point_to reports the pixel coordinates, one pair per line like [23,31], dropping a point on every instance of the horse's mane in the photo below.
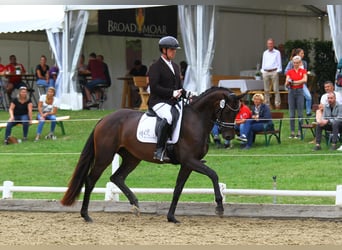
[207,92]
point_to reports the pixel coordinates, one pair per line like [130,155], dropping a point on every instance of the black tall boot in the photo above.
[162,136]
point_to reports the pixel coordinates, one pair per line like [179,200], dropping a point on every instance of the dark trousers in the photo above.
[335,127]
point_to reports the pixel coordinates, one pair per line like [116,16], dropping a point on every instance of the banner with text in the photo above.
[140,22]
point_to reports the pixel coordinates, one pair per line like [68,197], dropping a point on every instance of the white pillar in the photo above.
[7,193]
[223,188]
[111,186]
[338,200]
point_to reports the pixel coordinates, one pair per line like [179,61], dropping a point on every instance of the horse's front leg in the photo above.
[182,177]
[200,167]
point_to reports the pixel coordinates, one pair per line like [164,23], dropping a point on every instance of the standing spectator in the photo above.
[270,68]
[303,65]
[96,69]
[20,111]
[295,79]
[138,70]
[42,73]
[47,110]
[261,117]
[14,82]
[331,120]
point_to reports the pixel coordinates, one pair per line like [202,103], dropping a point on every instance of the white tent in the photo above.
[65,26]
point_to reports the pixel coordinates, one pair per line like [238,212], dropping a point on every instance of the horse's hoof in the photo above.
[135,210]
[219,211]
[173,219]
[87,218]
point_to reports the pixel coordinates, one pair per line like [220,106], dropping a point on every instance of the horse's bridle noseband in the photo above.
[223,105]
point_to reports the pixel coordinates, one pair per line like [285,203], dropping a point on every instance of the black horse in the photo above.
[116,133]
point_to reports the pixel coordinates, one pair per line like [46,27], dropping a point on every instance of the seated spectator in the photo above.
[53,74]
[2,68]
[47,110]
[183,67]
[328,87]
[42,73]
[138,70]
[14,81]
[240,121]
[96,69]
[331,120]
[106,70]
[261,117]
[20,111]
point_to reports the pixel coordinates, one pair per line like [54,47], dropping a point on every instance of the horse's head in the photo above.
[227,109]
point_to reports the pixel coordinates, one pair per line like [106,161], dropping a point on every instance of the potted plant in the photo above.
[258,75]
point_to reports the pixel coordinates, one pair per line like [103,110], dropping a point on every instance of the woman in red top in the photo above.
[295,79]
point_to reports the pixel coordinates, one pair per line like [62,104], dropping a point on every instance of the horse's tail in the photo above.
[80,174]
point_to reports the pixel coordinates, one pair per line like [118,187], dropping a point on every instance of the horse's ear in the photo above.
[242,95]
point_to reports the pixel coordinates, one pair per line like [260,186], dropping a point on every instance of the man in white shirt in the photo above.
[271,67]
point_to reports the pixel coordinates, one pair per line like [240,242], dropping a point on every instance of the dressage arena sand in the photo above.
[126,229]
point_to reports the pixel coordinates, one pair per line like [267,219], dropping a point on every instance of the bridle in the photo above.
[223,105]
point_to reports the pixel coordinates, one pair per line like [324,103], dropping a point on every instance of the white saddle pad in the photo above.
[146,129]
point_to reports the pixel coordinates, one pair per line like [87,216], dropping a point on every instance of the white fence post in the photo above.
[7,193]
[110,186]
[223,187]
[338,200]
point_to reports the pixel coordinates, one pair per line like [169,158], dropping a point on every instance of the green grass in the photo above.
[297,167]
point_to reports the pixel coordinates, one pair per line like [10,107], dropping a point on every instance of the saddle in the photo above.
[146,130]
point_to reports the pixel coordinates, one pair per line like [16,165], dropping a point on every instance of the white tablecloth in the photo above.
[242,84]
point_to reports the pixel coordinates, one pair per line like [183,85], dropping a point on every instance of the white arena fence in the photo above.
[112,192]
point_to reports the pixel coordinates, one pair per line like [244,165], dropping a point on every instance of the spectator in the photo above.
[331,120]
[295,79]
[2,68]
[20,111]
[106,70]
[96,69]
[328,87]
[261,117]
[138,70]
[53,73]
[47,110]
[240,121]
[271,67]
[183,68]
[42,73]
[303,65]
[14,81]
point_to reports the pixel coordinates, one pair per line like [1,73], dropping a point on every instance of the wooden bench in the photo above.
[306,124]
[277,119]
[59,120]
[142,82]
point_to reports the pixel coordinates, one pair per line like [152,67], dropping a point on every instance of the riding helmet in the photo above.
[168,42]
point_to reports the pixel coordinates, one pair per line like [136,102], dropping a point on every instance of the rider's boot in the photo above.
[162,134]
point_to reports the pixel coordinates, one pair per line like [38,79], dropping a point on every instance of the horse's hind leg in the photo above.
[90,182]
[129,163]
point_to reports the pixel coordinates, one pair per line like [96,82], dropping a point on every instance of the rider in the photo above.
[165,89]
